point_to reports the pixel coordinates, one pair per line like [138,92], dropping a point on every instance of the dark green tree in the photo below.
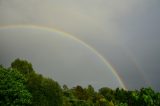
[23,66]
[107,93]
[157,99]
[12,89]
[45,92]
[80,93]
[121,96]
[91,95]
[52,92]
[90,91]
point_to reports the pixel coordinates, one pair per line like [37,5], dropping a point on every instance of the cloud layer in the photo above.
[125,32]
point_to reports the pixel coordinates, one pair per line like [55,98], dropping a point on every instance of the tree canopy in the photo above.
[45,91]
[20,85]
[13,91]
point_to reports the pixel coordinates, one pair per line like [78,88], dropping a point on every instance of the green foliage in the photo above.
[122,104]
[121,96]
[107,93]
[157,99]
[90,92]
[21,85]
[23,66]
[12,89]
[52,92]
[1,66]
[80,93]
[45,92]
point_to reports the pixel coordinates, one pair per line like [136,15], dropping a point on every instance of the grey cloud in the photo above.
[125,32]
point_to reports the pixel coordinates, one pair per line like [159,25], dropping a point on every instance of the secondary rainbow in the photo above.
[138,67]
[73,38]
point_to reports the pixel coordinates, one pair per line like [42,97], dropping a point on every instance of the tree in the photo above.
[157,99]
[91,95]
[45,92]
[146,96]
[80,93]
[52,92]
[107,93]
[1,66]
[65,87]
[121,96]
[12,89]
[90,91]
[23,66]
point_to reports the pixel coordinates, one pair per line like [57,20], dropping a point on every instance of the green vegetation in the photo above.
[20,85]
[44,91]
[13,91]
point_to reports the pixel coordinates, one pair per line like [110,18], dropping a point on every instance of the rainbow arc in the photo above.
[66,34]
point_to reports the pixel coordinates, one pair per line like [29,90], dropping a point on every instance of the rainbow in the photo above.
[138,67]
[75,39]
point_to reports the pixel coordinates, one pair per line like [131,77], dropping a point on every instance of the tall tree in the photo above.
[23,66]
[52,92]
[45,92]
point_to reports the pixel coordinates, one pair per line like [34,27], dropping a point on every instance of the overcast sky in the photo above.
[125,32]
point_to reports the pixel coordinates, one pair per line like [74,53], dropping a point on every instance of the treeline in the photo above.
[20,85]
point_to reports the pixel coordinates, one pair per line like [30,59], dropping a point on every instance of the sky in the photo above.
[125,32]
